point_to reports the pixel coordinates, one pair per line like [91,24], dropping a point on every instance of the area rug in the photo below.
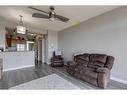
[52,81]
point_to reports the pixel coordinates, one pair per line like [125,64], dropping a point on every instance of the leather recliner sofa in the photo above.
[57,60]
[92,68]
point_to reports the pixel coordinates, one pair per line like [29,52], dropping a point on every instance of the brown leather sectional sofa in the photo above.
[92,68]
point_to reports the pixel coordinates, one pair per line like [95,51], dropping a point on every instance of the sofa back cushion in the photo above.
[97,60]
[82,59]
[94,60]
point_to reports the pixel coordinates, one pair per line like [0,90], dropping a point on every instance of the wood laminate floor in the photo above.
[19,76]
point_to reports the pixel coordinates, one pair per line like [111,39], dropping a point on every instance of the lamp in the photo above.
[20,28]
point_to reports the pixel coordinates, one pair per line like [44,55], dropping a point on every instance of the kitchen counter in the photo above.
[15,51]
[17,59]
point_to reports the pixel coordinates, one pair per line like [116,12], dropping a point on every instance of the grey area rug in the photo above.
[52,81]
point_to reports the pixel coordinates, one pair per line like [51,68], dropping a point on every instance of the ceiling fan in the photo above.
[51,15]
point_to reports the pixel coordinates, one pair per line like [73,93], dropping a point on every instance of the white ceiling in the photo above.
[76,14]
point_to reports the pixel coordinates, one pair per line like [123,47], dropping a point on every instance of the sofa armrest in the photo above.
[103,77]
[69,63]
[102,70]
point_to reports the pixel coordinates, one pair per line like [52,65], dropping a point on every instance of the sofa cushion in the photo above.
[96,64]
[83,62]
[78,68]
[98,58]
[84,56]
[82,59]
[90,72]
[71,69]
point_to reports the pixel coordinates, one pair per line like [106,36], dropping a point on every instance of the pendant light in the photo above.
[20,28]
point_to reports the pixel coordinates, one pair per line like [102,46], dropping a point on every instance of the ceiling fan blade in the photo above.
[38,10]
[61,18]
[38,15]
[47,14]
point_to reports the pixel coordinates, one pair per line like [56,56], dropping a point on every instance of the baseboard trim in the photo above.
[119,80]
[4,70]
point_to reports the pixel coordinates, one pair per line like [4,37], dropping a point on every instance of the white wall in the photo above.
[51,44]
[105,34]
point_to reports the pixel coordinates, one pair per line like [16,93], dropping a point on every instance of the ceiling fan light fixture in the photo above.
[52,15]
[52,18]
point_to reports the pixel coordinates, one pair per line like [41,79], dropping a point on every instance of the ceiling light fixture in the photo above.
[20,28]
[52,14]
